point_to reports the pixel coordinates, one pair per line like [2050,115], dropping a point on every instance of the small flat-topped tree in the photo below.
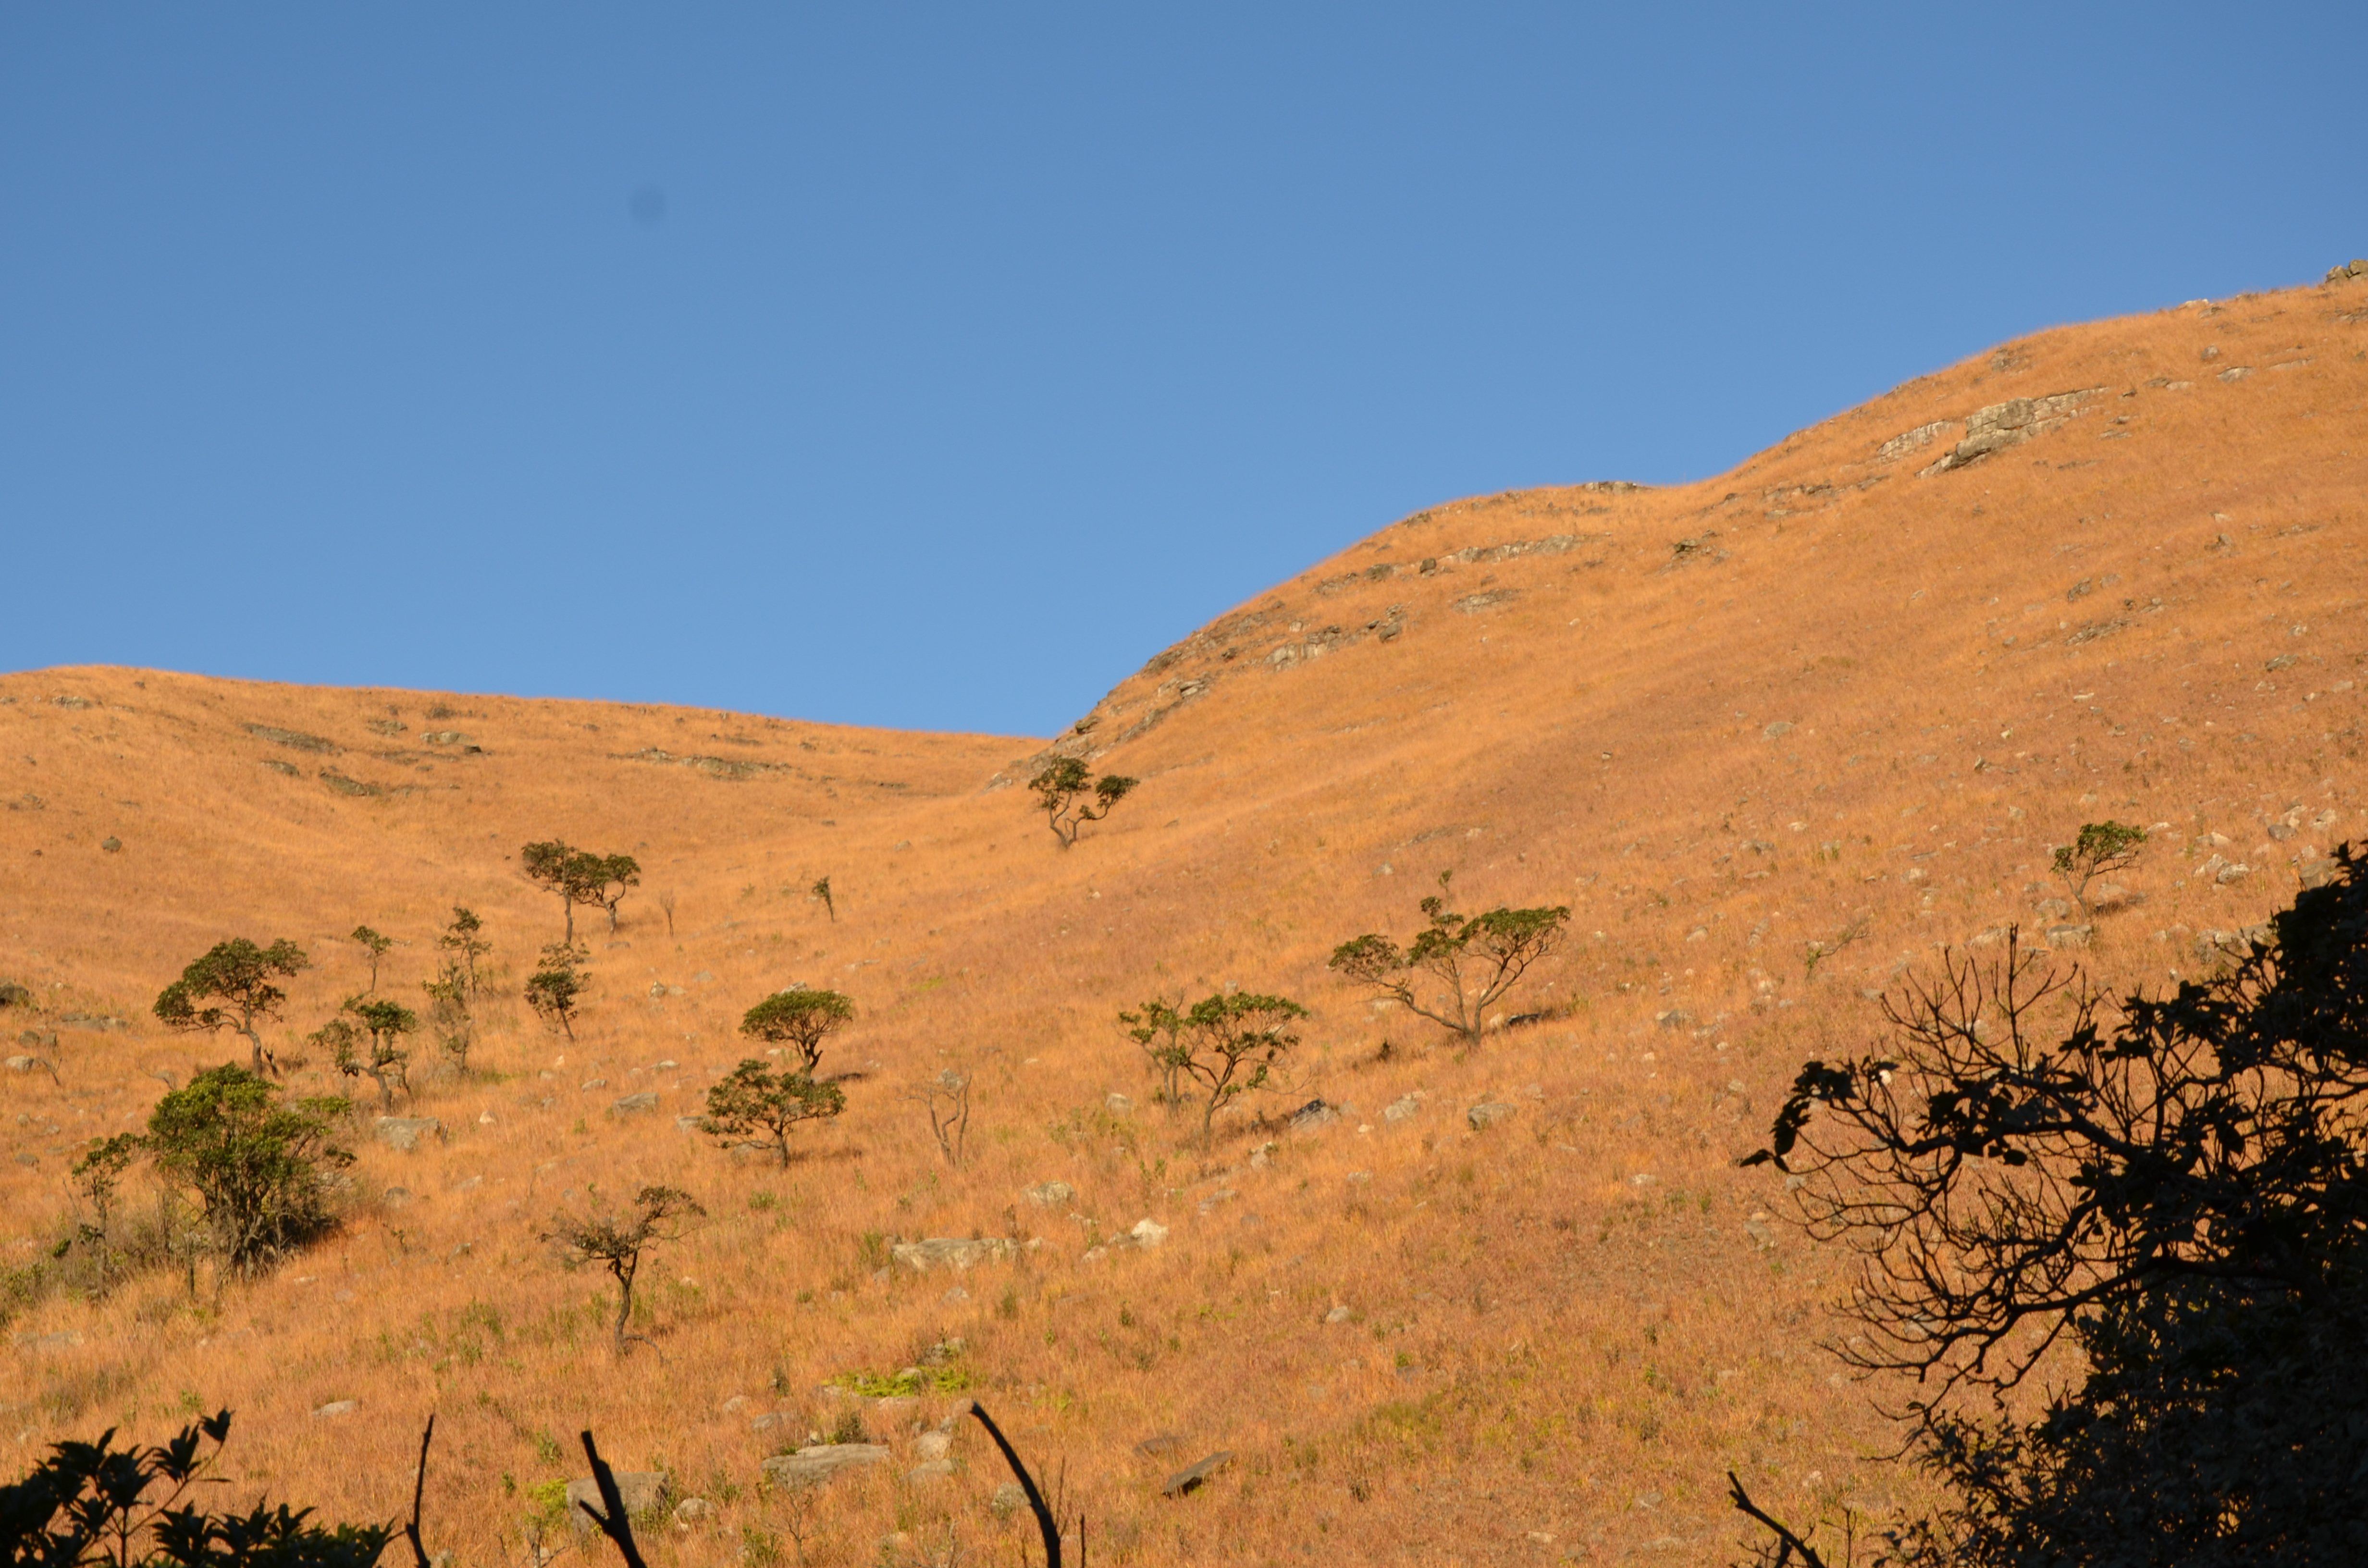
[1477,958]
[800,1019]
[1071,797]
[234,986]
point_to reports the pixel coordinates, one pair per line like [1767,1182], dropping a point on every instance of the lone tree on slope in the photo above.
[462,938]
[554,990]
[800,1019]
[1478,957]
[609,879]
[660,1214]
[233,985]
[1071,798]
[577,875]
[376,946]
[2173,1187]
[755,1104]
[372,1046]
[2103,848]
[1230,1045]
[1157,1026]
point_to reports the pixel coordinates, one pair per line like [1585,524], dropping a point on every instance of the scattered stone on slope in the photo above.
[643,1491]
[816,1466]
[1007,1500]
[2069,936]
[1046,1194]
[336,1408]
[1401,1108]
[402,1133]
[2350,269]
[952,1252]
[1118,1105]
[1313,1114]
[647,1100]
[1489,1114]
[693,1512]
[1195,1474]
[345,785]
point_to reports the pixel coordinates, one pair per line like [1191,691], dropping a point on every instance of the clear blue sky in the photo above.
[933,366]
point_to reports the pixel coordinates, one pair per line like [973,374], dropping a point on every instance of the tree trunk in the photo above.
[624,1268]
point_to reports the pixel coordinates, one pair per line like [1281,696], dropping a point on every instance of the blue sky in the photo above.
[933,366]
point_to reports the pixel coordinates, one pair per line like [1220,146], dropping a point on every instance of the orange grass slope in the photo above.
[1837,705]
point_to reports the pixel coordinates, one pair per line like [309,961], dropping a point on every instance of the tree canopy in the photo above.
[235,984]
[258,1164]
[1071,797]
[752,1103]
[801,1018]
[1476,958]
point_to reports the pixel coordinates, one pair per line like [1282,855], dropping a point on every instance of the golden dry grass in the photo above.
[1561,1333]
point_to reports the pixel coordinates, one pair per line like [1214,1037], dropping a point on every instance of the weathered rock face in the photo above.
[1988,430]
[403,1132]
[816,1466]
[952,1252]
[643,1491]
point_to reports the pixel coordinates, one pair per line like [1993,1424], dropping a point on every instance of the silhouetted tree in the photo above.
[1478,957]
[258,1165]
[376,946]
[94,1503]
[2101,847]
[232,985]
[821,890]
[2174,1188]
[800,1019]
[660,1214]
[1071,797]
[753,1104]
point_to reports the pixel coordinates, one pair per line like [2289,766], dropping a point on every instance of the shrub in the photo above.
[258,1166]
[554,990]
[96,1503]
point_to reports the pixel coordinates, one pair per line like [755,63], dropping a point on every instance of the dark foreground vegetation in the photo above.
[95,1503]
[2158,1208]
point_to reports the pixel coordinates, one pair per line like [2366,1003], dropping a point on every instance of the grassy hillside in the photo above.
[1838,704]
